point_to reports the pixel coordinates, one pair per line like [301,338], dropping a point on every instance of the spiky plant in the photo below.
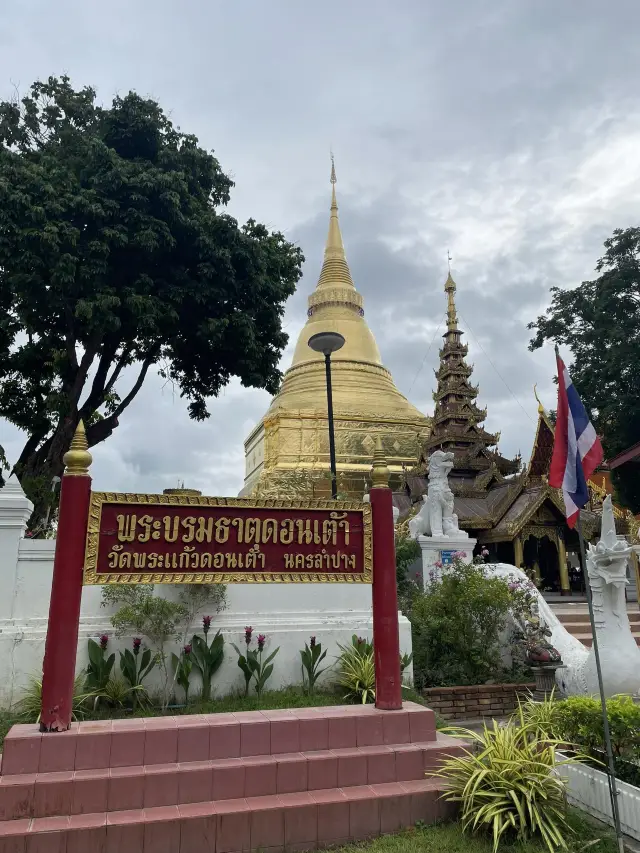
[29,706]
[509,784]
[356,671]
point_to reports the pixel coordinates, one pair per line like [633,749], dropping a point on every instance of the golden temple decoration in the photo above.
[77,459]
[379,469]
[293,435]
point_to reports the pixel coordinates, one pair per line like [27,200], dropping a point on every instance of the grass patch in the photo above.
[448,838]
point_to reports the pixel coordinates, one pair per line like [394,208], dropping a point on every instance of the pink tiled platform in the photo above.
[226,783]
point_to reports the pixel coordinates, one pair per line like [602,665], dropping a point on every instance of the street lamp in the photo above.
[326,343]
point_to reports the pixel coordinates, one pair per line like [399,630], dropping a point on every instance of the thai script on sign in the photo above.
[164,541]
[173,528]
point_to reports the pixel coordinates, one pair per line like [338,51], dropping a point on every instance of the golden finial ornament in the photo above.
[379,469]
[541,409]
[77,459]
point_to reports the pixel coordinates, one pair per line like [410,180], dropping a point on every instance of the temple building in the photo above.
[291,441]
[508,507]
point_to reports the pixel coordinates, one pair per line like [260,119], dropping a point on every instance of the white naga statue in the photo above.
[619,653]
[436,516]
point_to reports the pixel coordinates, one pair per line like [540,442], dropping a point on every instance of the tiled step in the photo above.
[165,740]
[114,789]
[278,781]
[284,823]
[579,625]
[581,615]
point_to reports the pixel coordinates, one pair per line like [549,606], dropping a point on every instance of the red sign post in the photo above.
[105,538]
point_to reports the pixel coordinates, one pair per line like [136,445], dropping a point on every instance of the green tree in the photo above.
[600,323]
[115,253]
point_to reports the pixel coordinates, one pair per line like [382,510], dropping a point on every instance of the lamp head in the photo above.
[326,342]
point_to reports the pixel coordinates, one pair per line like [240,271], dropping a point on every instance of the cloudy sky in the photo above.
[506,132]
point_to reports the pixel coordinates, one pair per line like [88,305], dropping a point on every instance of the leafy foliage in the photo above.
[507,785]
[578,720]
[600,323]
[115,258]
[356,670]
[99,667]
[207,659]
[311,657]
[254,669]
[456,625]
[407,552]
[144,614]
[29,706]
[182,667]
[135,668]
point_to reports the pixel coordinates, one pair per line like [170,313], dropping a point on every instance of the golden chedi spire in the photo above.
[365,399]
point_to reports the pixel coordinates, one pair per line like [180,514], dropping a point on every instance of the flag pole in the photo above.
[568,472]
[611,774]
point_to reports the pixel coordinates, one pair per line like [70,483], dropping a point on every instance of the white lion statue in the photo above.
[436,516]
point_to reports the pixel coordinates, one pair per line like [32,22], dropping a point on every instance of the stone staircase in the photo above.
[224,783]
[575,618]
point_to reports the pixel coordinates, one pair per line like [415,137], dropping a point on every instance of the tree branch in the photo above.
[100,387]
[146,364]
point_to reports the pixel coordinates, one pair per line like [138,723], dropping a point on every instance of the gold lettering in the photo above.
[289,561]
[185,557]
[231,560]
[126,528]
[329,532]
[204,533]
[344,524]
[153,560]
[125,561]
[218,561]
[309,561]
[270,530]
[299,561]
[205,561]
[157,527]
[145,522]
[286,531]
[252,530]
[171,525]
[189,524]
[113,556]
[222,529]
[304,531]
[139,561]
[239,523]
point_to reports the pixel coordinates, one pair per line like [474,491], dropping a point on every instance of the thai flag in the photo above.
[577,451]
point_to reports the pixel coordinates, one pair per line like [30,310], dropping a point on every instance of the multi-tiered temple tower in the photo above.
[457,420]
[291,440]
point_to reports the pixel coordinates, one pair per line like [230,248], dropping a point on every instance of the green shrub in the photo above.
[507,786]
[579,721]
[456,625]
[356,670]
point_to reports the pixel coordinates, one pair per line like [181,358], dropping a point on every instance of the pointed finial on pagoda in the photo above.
[334,269]
[379,469]
[77,459]
[450,289]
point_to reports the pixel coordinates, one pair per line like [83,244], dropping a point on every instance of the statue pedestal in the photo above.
[438,550]
[545,677]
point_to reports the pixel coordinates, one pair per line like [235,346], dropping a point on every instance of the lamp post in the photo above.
[326,343]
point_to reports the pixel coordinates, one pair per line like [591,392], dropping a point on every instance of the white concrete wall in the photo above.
[287,613]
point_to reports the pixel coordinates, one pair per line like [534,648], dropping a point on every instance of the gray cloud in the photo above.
[506,132]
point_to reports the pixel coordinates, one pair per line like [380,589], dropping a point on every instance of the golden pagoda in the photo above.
[293,435]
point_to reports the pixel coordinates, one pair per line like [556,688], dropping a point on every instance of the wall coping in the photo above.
[479,688]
